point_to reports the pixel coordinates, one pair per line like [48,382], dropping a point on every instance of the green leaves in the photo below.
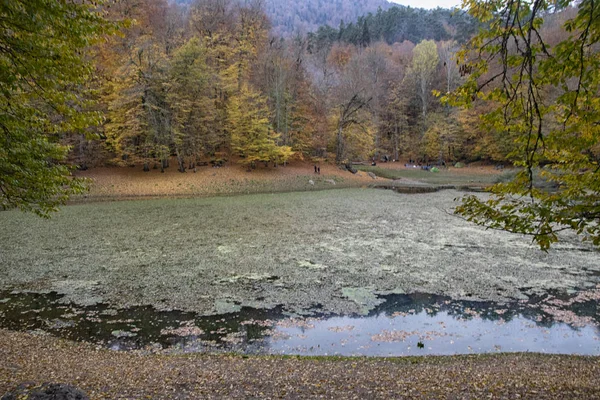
[43,96]
[546,96]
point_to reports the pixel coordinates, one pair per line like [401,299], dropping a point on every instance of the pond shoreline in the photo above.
[120,183]
[107,374]
[401,325]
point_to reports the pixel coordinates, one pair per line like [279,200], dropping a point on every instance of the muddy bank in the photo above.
[337,250]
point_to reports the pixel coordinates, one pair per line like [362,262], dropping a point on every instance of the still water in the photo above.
[414,324]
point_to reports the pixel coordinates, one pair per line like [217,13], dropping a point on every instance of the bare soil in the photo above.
[123,183]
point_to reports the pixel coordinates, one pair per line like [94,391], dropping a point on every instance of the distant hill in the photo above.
[400,23]
[350,20]
[289,17]
[292,16]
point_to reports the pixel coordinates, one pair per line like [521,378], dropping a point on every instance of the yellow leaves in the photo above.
[425,59]
[251,133]
[340,55]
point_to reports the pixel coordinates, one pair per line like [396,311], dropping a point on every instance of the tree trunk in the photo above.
[181,163]
[339,145]
[396,139]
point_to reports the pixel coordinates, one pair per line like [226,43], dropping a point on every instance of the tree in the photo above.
[43,80]
[447,55]
[190,107]
[351,97]
[424,64]
[251,134]
[548,97]
[395,119]
[138,124]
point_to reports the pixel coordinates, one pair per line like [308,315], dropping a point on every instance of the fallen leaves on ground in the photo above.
[105,374]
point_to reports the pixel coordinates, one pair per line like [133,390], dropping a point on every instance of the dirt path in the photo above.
[115,375]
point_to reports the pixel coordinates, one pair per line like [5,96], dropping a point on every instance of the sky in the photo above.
[428,3]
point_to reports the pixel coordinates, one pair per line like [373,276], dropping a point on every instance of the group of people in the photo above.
[417,164]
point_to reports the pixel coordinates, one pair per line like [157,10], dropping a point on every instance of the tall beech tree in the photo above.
[251,134]
[424,65]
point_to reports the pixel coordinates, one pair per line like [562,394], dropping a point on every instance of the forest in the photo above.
[290,18]
[146,83]
[210,82]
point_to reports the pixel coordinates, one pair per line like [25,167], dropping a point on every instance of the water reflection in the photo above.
[552,324]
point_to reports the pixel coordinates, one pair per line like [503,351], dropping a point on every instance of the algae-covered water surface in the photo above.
[341,257]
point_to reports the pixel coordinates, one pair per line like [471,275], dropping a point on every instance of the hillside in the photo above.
[290,17]
[398,24]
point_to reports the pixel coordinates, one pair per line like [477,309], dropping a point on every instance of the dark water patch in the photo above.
[410,189]
[425,188]
[416,189]
[414,324]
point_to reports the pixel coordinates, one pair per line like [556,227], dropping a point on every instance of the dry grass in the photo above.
[474,176]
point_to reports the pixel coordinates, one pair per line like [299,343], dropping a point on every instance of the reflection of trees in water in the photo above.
[239,322]
[432,305]
[586,309]
[31,311]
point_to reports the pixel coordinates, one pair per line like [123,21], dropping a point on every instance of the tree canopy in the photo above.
[544,94]
[43,81]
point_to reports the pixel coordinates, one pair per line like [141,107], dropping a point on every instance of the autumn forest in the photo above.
[207,81]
